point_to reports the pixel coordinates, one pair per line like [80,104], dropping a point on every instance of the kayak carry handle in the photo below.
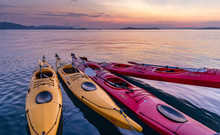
[84,58]
[58,59]
[57,56]
[73,55]
[73,58]
[43,59]
[41,64]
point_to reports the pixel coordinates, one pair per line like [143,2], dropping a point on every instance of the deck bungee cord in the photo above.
[88,92]
[115,109]
[44,101]
[118,85]
[192,76]
[90,73]
[44,133]
[152,111]
[204,69]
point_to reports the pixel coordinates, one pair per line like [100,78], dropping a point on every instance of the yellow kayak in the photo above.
[87,91]
[44,102]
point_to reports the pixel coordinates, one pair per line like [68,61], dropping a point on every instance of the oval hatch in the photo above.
[171,114]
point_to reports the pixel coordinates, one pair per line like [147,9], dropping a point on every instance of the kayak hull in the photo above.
[98,100]
[44,118]
[209,78]
[144,105]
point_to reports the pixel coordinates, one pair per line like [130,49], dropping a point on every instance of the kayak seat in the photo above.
[118,83]
[44,74]
[121,65]
[70,70]
[169,70]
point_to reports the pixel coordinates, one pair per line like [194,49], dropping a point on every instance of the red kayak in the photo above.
[201,76]
[155,113]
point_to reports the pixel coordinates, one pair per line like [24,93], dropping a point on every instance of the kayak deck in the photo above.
[202,77]
[44,103]
[146,106]
[87,91]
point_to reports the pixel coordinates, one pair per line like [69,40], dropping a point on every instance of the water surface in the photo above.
[21,49]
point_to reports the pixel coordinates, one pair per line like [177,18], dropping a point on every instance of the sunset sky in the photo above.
[112,13]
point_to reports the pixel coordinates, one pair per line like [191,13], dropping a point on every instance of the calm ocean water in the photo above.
[20,51]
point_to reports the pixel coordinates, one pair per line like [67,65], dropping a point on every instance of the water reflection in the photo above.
[20,51]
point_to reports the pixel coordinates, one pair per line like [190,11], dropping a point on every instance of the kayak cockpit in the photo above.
[117,82]
[121,65]
[70,70]
[44,74]
[169,70]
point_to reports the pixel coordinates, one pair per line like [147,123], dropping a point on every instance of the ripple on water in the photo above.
[196,101]
[20,51]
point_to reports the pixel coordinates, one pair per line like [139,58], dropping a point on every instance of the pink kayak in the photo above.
[201,77]
[155,113]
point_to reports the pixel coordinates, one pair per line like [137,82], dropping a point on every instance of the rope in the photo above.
[103,107]
[120,111]
[60,107]
[43,82]
[31,122]
[142,93]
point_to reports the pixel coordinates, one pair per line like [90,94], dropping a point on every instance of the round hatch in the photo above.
[88,86]
[43,97]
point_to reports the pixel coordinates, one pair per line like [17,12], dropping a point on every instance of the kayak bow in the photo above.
[152,111]
[44,102]
[193,76]
[88,92]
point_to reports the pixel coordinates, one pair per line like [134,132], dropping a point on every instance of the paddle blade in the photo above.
[134,63]
[90,72]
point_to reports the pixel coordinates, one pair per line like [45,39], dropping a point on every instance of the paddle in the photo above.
[88,71]
[172,67]
[41,64]
[92,73]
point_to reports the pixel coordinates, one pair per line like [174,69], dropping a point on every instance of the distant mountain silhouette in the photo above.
[156,28]
[10,25]
[210,28]
[142,28]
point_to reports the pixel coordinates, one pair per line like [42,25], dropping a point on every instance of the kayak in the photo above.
[88,92]
[44,102]
[192,76]
[155,113]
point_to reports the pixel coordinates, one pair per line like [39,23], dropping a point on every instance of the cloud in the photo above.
[185,3]
[69,14]
[210,24]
